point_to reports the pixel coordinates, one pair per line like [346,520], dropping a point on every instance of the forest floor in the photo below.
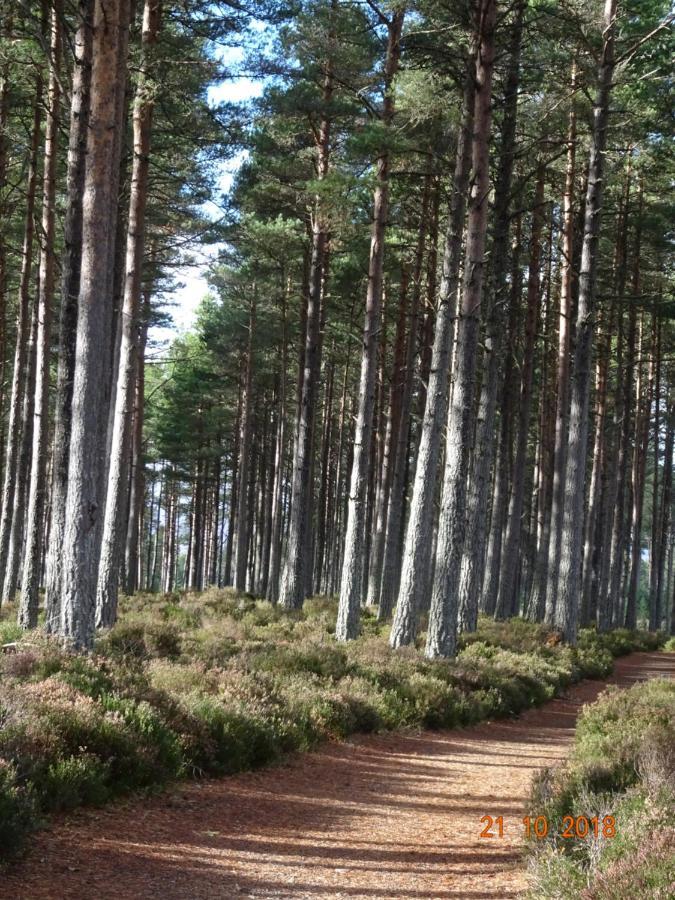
[390,816]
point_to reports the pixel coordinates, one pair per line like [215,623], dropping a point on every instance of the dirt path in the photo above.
[389,816]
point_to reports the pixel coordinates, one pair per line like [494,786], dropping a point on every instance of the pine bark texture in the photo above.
[23,326]
[89,419]
[473,558]
[243,505]
[70,266]
[114,530]
[418,539]
[353,558]
[442,632]
[292,592]
[32,563]
[563,370]
[567,606]
[507,602]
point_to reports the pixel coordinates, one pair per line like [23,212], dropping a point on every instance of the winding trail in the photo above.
[386,816]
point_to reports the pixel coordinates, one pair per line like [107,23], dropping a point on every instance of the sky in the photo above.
[191,280]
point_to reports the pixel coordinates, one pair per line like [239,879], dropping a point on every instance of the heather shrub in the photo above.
[240,738]
[647,873]
[217,682]
[326,659]
[10,632]
[72,781]
[18,809]
[126,638]
[511,634]
[21,664]
[162,640]
[622,764]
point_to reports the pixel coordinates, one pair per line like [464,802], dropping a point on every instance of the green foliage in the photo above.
[623,765]
[220,683]
[18,811]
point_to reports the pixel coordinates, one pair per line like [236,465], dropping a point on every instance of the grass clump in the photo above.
[218,682]
[622,765]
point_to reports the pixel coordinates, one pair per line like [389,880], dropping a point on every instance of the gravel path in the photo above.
[386,816]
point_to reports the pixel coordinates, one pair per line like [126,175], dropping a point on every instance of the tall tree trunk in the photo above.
[352,564]
[611,599]
[234,488]
[131,534]
[294,579]
[642,417]
[508,399]
[70,267]
[391,570]
[272,593]
[507,602]
[16,536]
[655,543]
[32,564]
[656,611]
[599,463]
[417,547]
[130,361]
[5,73]
[322,521]
[442,633]
[390,445]
[615,444]
[547,408]
[23,326]
[242,537]
[473,558]
[339,481]
[85,467]
[563,371]
[567,605]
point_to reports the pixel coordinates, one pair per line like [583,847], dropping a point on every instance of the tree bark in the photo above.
[642,417]
[507,602]
[352,564]
[130,534]
[563,371]
[473,557]
[70,267]
[442,633]
[242,536]
[656,611]
[23,326]
[391,570]
[599,463]
[130,360]
[272,593]
[28,612]
[390,445]
[567,606]
[417,547]
[294,578]
[502,480]
[89,415]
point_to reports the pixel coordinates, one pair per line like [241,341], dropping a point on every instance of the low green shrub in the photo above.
[217,682]
[18,810]
[622,764]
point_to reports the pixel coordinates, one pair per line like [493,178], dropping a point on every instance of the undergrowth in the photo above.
[622,765]
[217,683]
